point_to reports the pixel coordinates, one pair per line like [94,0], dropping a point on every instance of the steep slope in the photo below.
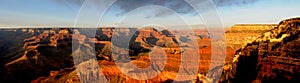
[273,57]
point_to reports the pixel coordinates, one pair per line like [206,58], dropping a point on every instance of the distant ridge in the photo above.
[255,24]
[195,26]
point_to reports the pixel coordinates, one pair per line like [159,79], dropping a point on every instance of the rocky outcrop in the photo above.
[151,36]
[104,34]
[272,57]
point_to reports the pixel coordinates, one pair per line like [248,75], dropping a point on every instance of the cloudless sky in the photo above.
[55,13]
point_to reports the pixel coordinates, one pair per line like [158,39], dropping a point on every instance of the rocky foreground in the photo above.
[271,58]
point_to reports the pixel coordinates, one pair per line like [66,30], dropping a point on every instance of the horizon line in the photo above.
[238,24]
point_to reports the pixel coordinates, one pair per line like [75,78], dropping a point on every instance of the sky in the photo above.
[134,13]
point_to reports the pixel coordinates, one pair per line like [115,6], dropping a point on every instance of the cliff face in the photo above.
[241,34]
[273,57]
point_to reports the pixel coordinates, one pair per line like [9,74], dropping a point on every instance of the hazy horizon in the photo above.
[19,13]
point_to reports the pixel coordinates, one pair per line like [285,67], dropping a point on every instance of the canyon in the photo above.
[254,53]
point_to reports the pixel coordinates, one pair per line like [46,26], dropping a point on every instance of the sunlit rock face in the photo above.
[241,34]
[272,57]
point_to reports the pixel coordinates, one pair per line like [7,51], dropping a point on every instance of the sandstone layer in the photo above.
[241,34]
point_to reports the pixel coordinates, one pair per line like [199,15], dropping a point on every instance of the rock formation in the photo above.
[45,53]
[241,34]
[272,57]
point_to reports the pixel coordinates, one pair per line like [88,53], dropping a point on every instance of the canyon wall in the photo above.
[241,34]
[272,57]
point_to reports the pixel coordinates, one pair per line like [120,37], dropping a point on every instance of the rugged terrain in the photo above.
[45,55]
[272,57]
[254,53]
